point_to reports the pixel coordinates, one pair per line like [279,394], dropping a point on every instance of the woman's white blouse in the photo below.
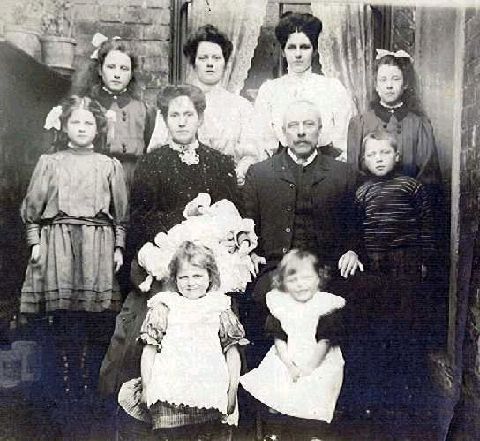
[328,94]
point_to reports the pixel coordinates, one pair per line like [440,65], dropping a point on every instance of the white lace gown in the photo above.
[192,366]
[310,397]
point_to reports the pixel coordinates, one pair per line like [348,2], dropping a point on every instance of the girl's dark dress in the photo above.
[163,185]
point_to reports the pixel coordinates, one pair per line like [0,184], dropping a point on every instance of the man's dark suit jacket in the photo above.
[269,199]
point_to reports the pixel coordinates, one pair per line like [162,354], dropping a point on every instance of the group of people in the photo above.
[120,175]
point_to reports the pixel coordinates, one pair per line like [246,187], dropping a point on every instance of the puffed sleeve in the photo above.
[231,330]
[250,144]
[426,157]
[273,328]
[263,119]
[343,109]
[330,327]
[36,199]
[154,326]
[120,203]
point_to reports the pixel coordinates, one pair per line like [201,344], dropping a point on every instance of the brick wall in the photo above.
[145,22]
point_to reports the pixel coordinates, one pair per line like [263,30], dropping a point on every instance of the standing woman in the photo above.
[298,37]
[228,119]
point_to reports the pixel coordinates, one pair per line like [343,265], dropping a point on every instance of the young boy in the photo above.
[396,218]
[397,229]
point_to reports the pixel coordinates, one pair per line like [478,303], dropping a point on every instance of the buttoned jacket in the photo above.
[269,197]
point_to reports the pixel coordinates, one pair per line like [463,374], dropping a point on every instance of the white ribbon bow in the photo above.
[398,54]
[97,41]
[52,121]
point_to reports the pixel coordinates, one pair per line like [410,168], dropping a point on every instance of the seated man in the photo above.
[302,199]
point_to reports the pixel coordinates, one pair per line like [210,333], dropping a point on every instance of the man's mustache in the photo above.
[302,141]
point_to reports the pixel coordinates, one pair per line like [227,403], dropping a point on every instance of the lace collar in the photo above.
[187,153]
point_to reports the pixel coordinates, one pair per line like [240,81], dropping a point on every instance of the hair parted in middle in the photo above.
[197,255]
[72,103]
[168,93]
[290,264]
[409,96]
[293,22]
[211,34]
[89,80]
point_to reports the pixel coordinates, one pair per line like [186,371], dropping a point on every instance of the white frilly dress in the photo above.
[192,366]
[310,397]
[190,370]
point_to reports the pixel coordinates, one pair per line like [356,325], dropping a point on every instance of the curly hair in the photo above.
[290,264]
[89,81]
[168,93]
[211,34]
[292,22]
[82,102]
[409,96]
[197,255]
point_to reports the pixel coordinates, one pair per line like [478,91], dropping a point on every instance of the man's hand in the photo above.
[257,261]
[349,263]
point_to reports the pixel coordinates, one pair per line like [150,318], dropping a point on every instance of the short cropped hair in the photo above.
[211,34]
[292,22]
[379,135]
[168,93]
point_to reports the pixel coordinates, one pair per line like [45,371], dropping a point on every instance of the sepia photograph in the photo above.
[239,220]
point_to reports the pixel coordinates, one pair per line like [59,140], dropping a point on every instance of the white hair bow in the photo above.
[398,54]
[97,41]
[52,121]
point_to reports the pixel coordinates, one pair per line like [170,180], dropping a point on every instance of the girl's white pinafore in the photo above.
[310,397]
[191,369]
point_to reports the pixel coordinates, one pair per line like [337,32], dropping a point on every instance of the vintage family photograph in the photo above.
[239,220]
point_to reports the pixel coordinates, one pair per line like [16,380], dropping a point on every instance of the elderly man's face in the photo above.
[302,126]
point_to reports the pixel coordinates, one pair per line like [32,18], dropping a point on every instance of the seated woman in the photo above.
[228,118]
[165,181]
[298,37]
